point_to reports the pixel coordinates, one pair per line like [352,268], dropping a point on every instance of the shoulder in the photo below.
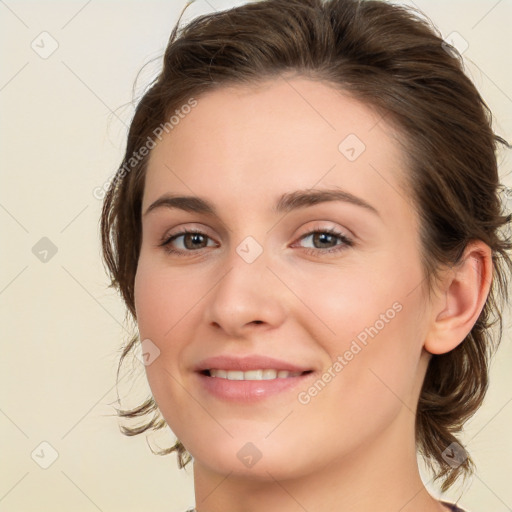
[452,507]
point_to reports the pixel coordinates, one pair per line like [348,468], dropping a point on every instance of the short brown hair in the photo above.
[390,58]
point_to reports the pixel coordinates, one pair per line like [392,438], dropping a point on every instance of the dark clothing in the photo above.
[452,507]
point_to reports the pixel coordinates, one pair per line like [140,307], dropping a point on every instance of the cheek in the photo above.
[374,377]
[369,321]
[163,298]
[163,303]
[344,303]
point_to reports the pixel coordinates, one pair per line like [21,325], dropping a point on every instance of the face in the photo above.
[326,289]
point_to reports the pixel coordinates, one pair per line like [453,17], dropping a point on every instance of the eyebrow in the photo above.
[286,203]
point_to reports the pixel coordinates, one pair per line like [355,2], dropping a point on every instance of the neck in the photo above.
[381,476]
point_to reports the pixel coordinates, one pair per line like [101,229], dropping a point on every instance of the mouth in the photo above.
[253,375]
[254,385]
[251,378]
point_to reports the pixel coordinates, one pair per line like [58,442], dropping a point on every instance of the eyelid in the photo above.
[189,228]
[346,240]
[320,225]
[168,237]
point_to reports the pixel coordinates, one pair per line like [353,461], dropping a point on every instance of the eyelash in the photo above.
[346,242]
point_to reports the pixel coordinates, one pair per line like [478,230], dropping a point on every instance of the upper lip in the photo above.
[247,363]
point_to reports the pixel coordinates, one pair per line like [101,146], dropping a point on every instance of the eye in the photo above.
[193,240]
[329,239]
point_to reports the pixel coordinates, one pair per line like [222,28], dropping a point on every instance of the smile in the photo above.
[267,374]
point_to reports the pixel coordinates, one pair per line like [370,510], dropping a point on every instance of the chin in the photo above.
[260,460]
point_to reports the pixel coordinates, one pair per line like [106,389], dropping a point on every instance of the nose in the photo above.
[248,296]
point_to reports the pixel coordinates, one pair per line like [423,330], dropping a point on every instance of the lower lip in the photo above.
[251,390]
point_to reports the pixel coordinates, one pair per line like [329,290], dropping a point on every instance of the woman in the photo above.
[307,229]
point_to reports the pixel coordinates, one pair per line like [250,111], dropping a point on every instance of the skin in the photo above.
[352,446]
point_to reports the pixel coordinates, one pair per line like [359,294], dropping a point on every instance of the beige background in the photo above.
[64,120]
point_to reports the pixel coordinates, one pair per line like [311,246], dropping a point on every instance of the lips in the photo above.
[251,378]
[248,363]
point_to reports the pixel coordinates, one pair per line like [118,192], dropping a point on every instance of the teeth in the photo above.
[253,374]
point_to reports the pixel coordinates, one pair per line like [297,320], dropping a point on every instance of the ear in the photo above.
[459,299]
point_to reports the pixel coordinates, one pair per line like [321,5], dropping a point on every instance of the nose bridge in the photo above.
[248,291]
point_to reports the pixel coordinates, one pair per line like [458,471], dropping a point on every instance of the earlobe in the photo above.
[461,296]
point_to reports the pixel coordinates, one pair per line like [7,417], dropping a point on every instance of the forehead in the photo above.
[251,144]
